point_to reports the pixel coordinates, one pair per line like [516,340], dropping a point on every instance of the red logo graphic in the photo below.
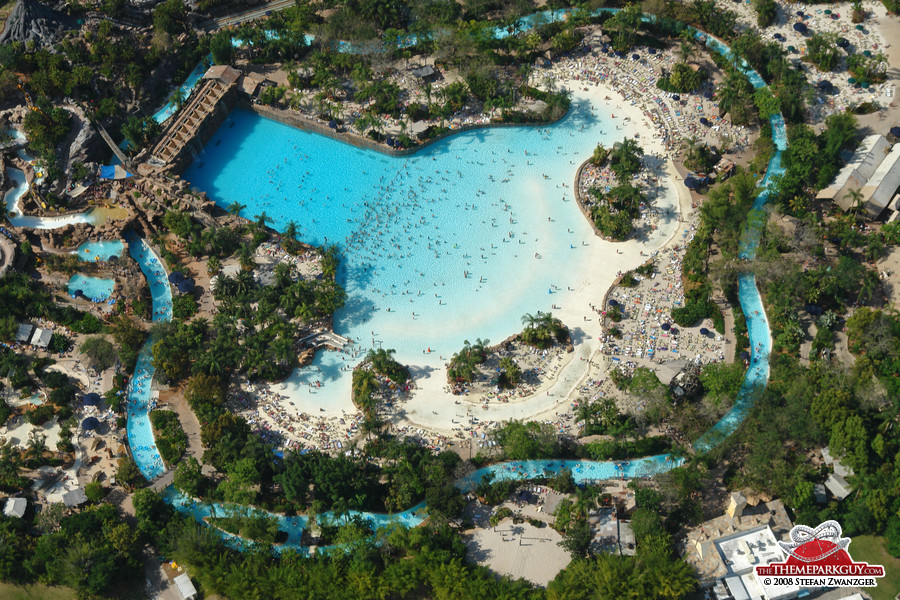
[819,552]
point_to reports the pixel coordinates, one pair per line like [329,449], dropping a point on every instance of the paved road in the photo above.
[253,13]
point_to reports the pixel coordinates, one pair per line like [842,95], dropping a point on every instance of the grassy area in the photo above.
[35,592]
[870,548]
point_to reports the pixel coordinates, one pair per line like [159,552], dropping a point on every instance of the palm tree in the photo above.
[305,313]
[235,208]
[245,257]
[213,265]
[283,349]
[37,445]
[290,232]
[365,383]
[243,282]
[686,48]
[855,198]
[262,219]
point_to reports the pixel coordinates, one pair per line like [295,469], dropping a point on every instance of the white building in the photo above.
[15,507]
[868,156]
[881,187]
[23,334]
[743,551]
[874,171]
[41,337]
[185,587]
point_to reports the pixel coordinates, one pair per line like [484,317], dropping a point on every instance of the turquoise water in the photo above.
[293,526]
[11,204]
[140,432]
[583,471]
[171,107]
[484,218]
[94,289]
[100,250]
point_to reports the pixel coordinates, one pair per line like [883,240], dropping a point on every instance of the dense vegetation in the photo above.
[170,438]
[614,211]
[256,326]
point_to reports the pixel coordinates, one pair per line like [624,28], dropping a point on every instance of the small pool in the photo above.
[93,288]
[100,250]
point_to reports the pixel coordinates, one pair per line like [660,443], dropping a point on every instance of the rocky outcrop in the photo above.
[33,21]
[71,236]
[86,146]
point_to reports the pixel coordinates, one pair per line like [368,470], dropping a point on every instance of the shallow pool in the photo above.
[11,204]
[94,289]
[100,250]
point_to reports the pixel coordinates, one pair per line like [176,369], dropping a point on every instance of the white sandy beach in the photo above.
[432,407]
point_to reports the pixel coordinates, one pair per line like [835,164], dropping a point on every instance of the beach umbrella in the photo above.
[186,286]
[895,131]
[860,28]
[92,399]
[843,43]
[708,95]
[90,424]
[864,85]
[78,293]
[704,121]
[665,327]
[175,277]
[691,183]
[651,50]
[673,331]
[635,56]
[791,49]
[799,13]
[851,80]
[704,331]
[745,355]
[332,124]
[799,27]
[827,12]
[613,302]
[676,98]
[867,53]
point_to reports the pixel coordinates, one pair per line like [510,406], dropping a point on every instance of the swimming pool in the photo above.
[484,218]
[93,288]
[100,250]
[140,398]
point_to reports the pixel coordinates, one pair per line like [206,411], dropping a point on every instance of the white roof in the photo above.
[185,587]
[838,486]
[41,337]
[24,332]
[748,549]
[861,167]
[15,507]
[883,184]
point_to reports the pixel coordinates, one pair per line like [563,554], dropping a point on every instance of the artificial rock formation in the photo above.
[33,21]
